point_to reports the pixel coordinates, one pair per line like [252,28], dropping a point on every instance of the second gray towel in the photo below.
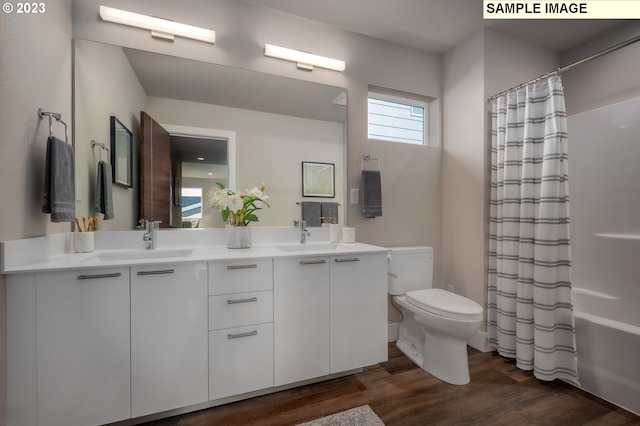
[311,213]
[104,197]
[371,193]
[329,212]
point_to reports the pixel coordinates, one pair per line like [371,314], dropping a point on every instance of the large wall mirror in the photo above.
[235,126]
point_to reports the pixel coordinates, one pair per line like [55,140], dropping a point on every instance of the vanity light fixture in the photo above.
[160,28]
[305,61]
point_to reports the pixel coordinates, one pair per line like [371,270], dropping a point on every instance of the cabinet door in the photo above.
[301,319]
[241,360]
[83,347]
[169,347]
[358,311]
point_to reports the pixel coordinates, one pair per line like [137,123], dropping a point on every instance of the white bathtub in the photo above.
[608,348]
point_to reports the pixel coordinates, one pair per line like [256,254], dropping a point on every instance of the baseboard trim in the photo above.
[393,329]
[479,341]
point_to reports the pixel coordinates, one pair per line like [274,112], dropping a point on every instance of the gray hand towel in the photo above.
[311,213]
[104,197]
[329,212]
[371,193]
[59,195]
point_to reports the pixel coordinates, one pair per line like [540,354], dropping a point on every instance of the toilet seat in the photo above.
[445,304]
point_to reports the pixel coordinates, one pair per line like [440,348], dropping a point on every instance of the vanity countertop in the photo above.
[179,254]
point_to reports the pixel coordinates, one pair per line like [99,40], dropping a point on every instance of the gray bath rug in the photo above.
[359,416]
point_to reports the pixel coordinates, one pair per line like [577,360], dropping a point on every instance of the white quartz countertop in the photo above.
[164,255]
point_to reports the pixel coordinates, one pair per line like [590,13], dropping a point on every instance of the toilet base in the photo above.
[441,356]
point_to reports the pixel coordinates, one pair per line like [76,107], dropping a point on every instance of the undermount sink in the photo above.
[310,247]
[143,254]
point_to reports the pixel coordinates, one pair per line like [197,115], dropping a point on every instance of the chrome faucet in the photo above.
[304,232]
[151,234]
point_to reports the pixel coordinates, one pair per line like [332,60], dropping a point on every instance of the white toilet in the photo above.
[436,323]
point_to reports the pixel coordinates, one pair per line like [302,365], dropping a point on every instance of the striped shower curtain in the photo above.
[529,310]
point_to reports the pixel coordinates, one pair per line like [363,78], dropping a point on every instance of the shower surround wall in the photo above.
[605,200]
[603,103]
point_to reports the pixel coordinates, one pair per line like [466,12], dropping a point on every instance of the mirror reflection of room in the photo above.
[266,115]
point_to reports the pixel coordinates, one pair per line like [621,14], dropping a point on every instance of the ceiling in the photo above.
[436,25]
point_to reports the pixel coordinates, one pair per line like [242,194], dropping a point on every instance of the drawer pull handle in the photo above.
[160,272]
[240,335]
[250,266]
[97,276]
[312,262]
[234,302]
[351,259]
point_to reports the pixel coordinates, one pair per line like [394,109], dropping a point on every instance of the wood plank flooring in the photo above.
[400,393]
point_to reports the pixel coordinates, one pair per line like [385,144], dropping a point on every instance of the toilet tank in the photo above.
[410,268]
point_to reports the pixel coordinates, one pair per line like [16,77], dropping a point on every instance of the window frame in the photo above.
[407,100]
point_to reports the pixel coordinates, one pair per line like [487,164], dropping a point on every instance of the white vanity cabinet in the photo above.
[301,318]
[240,326]
[358,310]
[96,339]
[77,322]
[168,337]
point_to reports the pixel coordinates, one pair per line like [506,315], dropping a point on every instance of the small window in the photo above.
[397,119]
[191,203]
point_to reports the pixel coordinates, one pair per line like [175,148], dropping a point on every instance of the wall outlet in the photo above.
[354,196]
[450,288]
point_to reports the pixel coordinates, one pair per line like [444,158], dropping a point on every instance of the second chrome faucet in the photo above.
[304,232]
[151,234]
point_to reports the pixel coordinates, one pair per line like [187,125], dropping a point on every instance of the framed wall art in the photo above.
[318,179]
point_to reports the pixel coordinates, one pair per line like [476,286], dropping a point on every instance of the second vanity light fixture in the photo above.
[305,61]
[160,28]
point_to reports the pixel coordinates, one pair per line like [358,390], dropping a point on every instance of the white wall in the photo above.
[35,55]
[484,64]
[105,85]
[270,149]
[609,79]
[463,194]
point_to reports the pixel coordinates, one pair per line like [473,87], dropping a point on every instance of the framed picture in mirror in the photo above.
[121,153]
[318,179]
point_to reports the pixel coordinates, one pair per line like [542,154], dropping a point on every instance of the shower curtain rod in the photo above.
[568,67]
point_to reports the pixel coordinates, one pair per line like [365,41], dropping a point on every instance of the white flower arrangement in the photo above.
[239,209]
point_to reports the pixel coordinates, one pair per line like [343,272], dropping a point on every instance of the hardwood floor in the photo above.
[400,393]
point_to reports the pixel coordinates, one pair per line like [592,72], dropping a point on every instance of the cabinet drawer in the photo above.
[240,360]
[240,276]
[235,310]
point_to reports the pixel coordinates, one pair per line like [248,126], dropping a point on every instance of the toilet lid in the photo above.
[445,303]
